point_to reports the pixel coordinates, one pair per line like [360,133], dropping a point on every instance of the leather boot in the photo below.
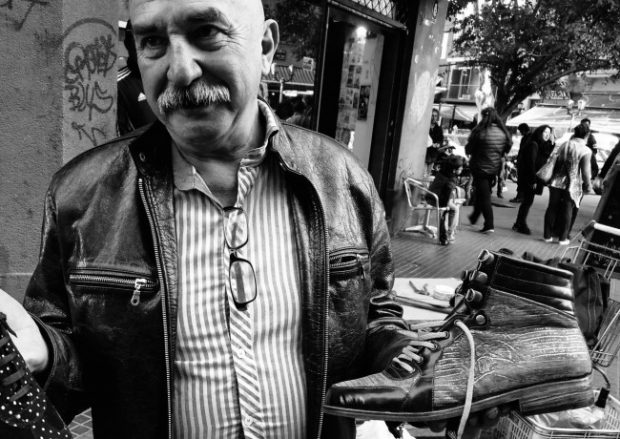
[514,321]
[25,412]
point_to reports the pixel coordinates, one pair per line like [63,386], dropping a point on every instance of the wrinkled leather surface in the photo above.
[539,282]
[110,354]
[524,344]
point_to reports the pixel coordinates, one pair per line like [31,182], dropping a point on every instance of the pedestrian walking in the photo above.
[569,181]
[488,143]
[524,129]
[526,174]
[591,144]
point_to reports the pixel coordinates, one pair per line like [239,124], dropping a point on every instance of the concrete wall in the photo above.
[58,94]
[419,102]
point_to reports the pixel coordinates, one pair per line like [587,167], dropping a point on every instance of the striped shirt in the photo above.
[238,374]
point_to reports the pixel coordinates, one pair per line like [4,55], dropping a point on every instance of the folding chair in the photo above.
[418,196]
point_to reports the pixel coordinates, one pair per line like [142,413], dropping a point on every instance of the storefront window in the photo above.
[289,87]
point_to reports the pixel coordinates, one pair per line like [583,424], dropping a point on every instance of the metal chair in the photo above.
[421,199]
[459,197]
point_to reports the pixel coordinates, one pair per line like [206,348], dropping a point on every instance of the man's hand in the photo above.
[28,339]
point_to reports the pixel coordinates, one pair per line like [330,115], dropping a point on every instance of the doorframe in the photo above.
[391,93]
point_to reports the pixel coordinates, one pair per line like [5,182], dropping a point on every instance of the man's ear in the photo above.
[269,44]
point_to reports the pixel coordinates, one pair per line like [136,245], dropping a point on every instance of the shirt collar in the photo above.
[185,175]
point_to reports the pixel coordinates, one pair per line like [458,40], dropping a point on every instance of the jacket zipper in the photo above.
[321,215]
[160,275]
[355,264]
[138,284]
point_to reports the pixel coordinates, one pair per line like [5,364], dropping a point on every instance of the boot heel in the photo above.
[557,396]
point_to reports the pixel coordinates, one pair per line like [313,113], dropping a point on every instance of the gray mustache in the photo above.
[198,94]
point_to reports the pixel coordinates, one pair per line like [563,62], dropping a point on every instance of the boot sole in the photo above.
[542,398]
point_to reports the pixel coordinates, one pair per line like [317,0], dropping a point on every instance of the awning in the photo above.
[602,120]
[457,112]
[298,78]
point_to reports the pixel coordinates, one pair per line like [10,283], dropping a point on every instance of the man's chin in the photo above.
[196,122]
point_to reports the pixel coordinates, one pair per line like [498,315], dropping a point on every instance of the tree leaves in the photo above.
[300,25]
[528,45]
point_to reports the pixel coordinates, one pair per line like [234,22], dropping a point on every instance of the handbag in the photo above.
[545,173]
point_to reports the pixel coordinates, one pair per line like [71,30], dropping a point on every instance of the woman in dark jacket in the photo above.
[488,143]
[527,165]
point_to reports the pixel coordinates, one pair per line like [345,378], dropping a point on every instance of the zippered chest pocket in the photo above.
[132,286]
[349,262]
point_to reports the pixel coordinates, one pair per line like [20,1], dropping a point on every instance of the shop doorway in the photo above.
[359,91]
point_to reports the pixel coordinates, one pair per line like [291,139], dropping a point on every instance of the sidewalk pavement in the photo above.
[416,255]
[419,256]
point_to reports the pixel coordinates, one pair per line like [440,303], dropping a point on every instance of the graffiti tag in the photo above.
[83,64]
[89,75]
[82,132]
[16,12]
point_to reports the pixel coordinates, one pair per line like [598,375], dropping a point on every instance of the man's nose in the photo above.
[184,68]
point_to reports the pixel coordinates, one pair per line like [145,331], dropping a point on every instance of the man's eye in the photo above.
[207,32]
[152,42]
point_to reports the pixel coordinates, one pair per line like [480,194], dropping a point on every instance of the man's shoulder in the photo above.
[97,163]
[321,158]
[311,144]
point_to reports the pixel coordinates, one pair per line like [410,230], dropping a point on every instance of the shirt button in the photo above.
[247,421]
[240,353]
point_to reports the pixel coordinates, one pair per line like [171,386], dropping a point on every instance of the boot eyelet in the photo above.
[481,319]
[481,278]
[473,296]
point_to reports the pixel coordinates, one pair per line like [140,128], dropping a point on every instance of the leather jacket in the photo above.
[105,289]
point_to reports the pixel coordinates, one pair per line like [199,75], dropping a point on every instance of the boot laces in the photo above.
[419,339]
[411,354]
[20,387]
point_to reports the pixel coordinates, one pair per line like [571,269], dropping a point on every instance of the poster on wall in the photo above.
[364,98]
[354,73]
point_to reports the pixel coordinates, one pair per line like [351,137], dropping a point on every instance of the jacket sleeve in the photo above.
[46,300]
[383,339]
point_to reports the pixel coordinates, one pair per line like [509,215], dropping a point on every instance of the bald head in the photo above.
[254,7]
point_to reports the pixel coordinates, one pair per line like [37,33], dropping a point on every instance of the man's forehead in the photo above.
[248,5]
[240,7]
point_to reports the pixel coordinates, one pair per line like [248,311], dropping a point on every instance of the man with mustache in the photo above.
[212,275]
